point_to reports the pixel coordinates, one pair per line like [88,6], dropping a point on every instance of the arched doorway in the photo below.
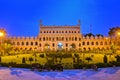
[47,46]
[72,46]
[60,46]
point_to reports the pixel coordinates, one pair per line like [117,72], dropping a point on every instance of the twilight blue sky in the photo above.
[21,17]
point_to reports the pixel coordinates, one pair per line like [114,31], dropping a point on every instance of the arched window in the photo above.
[53,44]
[66,39]
[53,39]
[46,38]
[39,39]
[83,43]
[22,43]
[40,44]
[62,38]
[27,43]
[65,31]
[92,43]
[56,38]
[49,38]
[66,44]
[69,38]
[105,43]
[84,49]
[79,44]
[18,43]
[36,43]
[87,43]
[31,43]
[97,43]
[101,43]
[43,38]
[75,38]
[89,48]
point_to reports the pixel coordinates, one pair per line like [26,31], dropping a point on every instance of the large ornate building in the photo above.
[61,37]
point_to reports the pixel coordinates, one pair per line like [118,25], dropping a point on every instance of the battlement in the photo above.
[95,37]
[22,38]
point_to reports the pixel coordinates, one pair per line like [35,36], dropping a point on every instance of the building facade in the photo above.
[61,37]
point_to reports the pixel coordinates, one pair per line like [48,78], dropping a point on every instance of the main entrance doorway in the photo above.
[60,46]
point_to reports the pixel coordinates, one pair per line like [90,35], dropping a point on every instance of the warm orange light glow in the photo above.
[118,33]
[1,34]
[106,38]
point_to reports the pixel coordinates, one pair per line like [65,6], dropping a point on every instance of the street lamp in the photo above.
[118,33]
[1,34]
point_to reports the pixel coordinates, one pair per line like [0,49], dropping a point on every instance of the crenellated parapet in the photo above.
[94,37]
[22,38]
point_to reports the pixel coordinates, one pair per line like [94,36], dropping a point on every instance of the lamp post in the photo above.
[1,35]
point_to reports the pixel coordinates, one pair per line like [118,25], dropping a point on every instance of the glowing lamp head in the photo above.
[1,34]
[118,33]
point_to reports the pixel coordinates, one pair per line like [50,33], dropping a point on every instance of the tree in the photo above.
[88,59]
[117,58]
[6,46]
[105,59]
[113,30]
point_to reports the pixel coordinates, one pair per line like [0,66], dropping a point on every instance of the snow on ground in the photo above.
[79,74]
